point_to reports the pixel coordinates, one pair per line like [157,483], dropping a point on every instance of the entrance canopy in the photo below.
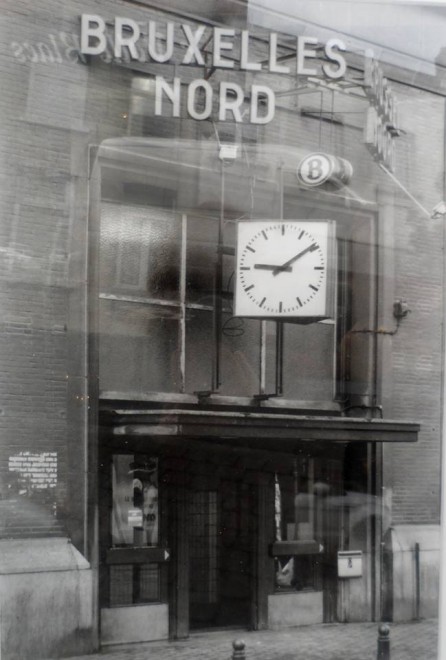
[266,430]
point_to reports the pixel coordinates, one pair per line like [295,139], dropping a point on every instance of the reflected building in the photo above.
[170,462]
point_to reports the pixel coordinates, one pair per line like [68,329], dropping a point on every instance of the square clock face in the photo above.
[284,269]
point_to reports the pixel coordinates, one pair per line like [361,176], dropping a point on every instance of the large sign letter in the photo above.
[128,40]
[258,93]
[92,26]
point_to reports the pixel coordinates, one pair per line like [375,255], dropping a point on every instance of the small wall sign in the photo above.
[349,563]
[135,518]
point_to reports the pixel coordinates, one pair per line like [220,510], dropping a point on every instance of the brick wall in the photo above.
[52,109]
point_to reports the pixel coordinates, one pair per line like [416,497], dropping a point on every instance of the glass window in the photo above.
[308,361]
[139,347]
[199,350]
[139,251]
[201,258]
[133,584]
[175,252]
[135,512]
[134,523]
[298,527]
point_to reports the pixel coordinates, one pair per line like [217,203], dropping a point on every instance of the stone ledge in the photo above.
[39,555]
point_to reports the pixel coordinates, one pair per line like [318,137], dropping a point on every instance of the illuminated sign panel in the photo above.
[381,121]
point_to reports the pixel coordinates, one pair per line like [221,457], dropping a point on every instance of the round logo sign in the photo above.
[318,168]
[315,169]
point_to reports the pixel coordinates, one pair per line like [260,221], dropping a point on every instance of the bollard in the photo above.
[383,642]
[239,650]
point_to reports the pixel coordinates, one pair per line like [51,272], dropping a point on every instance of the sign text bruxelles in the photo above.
[142,42]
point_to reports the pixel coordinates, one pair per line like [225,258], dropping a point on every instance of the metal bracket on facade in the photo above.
[437,211]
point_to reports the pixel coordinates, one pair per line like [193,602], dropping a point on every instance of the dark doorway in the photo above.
[220,553]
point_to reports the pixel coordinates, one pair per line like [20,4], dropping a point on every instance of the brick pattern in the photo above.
[52,108]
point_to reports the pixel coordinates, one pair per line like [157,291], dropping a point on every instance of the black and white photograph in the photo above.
[223,329]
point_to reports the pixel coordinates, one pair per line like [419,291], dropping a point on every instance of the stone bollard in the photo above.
[383,642]
[238,652]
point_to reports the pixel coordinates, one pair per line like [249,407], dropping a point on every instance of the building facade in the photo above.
[195,437]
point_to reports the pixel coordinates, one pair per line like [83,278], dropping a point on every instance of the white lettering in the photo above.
[193,52]
[272,64]
[228,104]
[207,94]
[168,50]
[17,51]
[303,52]
[244,54]
[172,93]
[378,139]
[128,40]
[221,45]
[73,51]
[92,26]
[33,57]
[369,129]
[56,49]
[334,56]
[45,52]
[258,91]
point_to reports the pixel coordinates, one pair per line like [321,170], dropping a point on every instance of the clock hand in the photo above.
[310,248]
[271,267]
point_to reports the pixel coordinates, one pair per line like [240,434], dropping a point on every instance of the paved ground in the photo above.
[352,641]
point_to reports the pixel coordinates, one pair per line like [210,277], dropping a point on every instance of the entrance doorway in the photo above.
[195,539]
[178,544]
[220,530]
[133,556]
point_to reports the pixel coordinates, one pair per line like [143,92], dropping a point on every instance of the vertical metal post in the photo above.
[238,653]
[383,642]
[279,324]
[183,303]
[417,580]
[216,376]
[295,494]
[262,382]
[279,358]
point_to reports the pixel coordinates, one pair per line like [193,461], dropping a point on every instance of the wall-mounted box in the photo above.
[349,563]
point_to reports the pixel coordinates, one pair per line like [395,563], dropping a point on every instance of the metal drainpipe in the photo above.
[377,452]
[216,379]
[280,324]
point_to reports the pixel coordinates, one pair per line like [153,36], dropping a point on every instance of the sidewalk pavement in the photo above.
[348,641]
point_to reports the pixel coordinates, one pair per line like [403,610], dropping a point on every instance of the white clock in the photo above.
[284,269]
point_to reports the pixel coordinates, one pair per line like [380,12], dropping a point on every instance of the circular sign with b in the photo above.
[318,168]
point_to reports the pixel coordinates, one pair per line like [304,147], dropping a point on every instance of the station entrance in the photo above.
[221,529]
[207,533]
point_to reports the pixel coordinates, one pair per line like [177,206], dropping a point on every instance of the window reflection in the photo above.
[135,514]
[161,286]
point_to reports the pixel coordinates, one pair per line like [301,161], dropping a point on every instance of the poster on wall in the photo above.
[135,501]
